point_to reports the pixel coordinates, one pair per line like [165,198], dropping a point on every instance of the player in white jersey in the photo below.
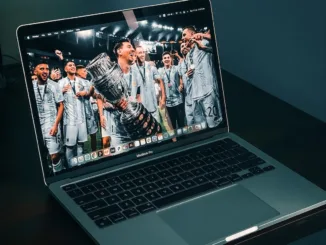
[91,123]
[205,93]
[173,90]
[146,76]
[75,130]
[49,102]
[113,132]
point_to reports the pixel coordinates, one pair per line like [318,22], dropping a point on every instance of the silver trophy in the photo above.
[107,78]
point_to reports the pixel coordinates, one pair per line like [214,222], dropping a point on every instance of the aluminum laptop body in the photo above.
[196,184]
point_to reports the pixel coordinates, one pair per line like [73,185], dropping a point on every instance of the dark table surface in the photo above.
[29,215]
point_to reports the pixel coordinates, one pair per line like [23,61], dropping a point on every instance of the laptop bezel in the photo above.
[102,18]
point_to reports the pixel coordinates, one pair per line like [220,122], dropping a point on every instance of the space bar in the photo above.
[183,195]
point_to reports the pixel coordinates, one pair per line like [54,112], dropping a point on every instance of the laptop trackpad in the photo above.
[217,215]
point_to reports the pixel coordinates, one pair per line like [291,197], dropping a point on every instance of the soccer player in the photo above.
[75,130]
[91,124]
[146,76]
[113,132]
[49,102]
[173,90]
[204,82]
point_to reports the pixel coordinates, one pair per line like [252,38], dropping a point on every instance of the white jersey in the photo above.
[74,106]
[145,77]
[47,97]
[171,80]
[204,79]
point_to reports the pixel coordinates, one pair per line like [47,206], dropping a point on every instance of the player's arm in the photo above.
[163,98]
[54,129]
[100,112]
[181,84]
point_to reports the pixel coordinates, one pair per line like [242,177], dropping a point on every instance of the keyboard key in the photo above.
[211,176]
[196,156]
[188,184]
[116,218]
[69,187]
[231,161]
[85,199]
[198,172]
[126,177]
[114,181]
[268,168]
[115,189]
[88,189]
[220,156]
[209,168]
[187,167]
[152,178]
[162,166]
[162,183]
[130,213]
[222,182]
[206,152]
[184,159]
[223,172]
[173,162]
[251,163]
[103,222]
[75,193]
[150,187]
[176,170]
[220,165]
[128,185]
[164,192]
[139,200]
[138,191]
[112,199]
[175,179]
[209,160]
[217,149]
[234,169]
[198,163]
[247,175]
[245,157]
[228,154]
[101,185]
[126,204]
[183,195]
[140,181]
[139,173]
[101,193]
[200,180]
[230,143]
[164,174]
[256,170]
[90,181]
[151,170]
[152,196]
[177,187]
[93,205]
[145,208]
[186,175]
[100,213]
[240,150]
[234,177]
[125,195]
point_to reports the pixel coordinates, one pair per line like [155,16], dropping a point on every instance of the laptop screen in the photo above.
[119,84]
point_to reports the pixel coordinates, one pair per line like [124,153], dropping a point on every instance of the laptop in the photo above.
[131,174]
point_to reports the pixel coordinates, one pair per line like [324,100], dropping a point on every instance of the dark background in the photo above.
[277,45]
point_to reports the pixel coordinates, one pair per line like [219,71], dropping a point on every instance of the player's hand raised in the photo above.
[66,88]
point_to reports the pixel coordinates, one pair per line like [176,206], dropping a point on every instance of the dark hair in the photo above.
[192,28]
[78,67]
[165,53]
[39,62]
[119,44]
[68,61]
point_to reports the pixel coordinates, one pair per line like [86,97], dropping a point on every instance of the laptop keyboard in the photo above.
[122,195]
